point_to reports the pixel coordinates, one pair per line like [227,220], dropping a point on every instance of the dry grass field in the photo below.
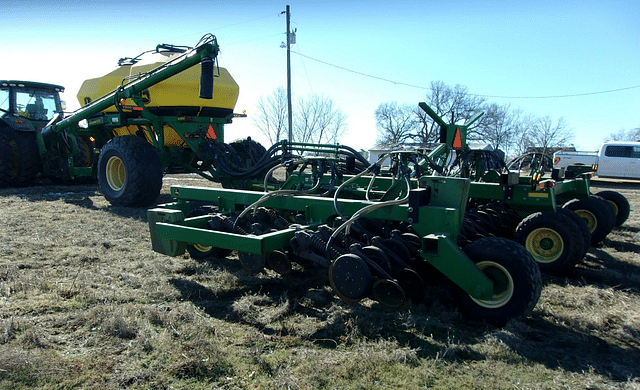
[86,304]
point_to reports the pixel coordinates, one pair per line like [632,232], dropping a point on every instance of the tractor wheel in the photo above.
[9,157]
[249,152]
[619,203]
[202,251]
[585,234]
[517,282]
[129,172]
[30,164]
[596,213]
[84,159]
[550,238]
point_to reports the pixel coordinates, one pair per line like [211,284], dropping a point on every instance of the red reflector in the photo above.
[457,140]
[211,133]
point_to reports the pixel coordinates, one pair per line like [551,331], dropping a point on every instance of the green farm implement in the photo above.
[379,237]
[556,218]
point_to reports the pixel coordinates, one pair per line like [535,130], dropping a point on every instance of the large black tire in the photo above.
[516,277]
[596,213]
[30,164]
[249,152]
[84,159]
[551,240]
[619,203]
[129,172]
[582,227]
[9,157]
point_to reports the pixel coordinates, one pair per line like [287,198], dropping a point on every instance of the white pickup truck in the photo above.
[617,159]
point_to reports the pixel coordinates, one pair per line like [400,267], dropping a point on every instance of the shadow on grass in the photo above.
[434,328]
[294,288]
[556,344]
[599,268]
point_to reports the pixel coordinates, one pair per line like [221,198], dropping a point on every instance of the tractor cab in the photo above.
[29,105]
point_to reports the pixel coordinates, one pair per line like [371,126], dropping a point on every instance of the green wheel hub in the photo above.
[115,173]
[545,245]
[503,285]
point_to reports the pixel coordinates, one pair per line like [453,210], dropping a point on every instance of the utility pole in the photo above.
[290,114]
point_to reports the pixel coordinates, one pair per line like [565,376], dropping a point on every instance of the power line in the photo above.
[473,94]
[560,96]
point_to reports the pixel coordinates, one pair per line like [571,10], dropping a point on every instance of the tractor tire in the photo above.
[84,159]
[30,164]
[9,157]
[203,251]
[248,151]
[619,203]
[551,240]
[516,277]
[582,227]
[129,172]
[596,213]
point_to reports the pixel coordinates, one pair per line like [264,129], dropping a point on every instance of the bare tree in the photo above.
[318,121]
[452,104]
[545,134]
[625,135]
[272,120]
[396,124]
[520,139]
[315,120]
[501,127]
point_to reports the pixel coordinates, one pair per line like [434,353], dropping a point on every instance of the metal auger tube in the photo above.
[207,49]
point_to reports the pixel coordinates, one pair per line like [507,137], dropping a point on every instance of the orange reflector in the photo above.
[457,140]
[211,133]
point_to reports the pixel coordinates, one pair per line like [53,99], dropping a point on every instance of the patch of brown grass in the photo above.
[85,303]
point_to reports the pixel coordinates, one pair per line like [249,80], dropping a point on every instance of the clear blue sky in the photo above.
[495,48]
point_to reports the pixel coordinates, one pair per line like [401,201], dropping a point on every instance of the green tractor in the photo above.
[25,108]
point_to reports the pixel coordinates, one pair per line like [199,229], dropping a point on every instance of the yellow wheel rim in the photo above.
[502,285]
[545,245]
[202,247]
[589,218]
[115,173]
[615,207]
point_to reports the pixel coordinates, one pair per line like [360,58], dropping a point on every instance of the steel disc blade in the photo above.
[350,278]
[250,262]
[389,293]
[410,281]
[279,262]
